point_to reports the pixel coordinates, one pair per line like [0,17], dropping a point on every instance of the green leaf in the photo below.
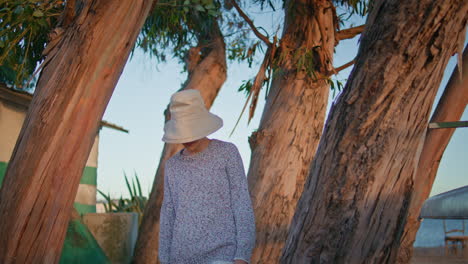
[128,185]
[200,8]
[38,13]
[18,10]
[134,189]
[140,193]
[108,208]
[210,7]
[213,13]
[43,23]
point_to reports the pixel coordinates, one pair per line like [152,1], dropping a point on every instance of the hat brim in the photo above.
[183,131]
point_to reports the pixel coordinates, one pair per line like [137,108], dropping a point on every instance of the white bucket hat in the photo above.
[190,120]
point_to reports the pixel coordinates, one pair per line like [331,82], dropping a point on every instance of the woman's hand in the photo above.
[238,261]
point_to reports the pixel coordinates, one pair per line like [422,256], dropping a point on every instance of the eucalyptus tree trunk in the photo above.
[207,68]
[450,108]
[357,196]
[292,122]
[83,65]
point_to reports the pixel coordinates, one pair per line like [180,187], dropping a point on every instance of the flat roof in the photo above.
[448,205]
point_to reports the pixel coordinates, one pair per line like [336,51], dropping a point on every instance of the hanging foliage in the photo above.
[304,59]
[173,27]
[24,27]
[177,26]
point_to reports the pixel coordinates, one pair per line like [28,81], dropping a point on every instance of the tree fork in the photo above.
[291,123]
[357,195]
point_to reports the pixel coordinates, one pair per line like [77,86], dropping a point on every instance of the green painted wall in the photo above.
[89,174]
[80,246]
[84,208]
[89,177]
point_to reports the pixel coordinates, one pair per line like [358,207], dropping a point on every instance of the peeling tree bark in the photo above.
[356,198]
[450,108]
[207,73]
[292,122]
[71,95]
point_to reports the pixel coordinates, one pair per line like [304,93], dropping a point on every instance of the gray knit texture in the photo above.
[207,211]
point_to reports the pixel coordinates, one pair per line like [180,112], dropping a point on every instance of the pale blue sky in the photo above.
[143,93]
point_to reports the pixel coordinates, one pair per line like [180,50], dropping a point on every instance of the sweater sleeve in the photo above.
[167,216]
[242,205]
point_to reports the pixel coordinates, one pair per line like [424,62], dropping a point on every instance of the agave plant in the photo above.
[135,204]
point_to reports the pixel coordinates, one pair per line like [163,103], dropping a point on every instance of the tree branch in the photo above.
[257,84]
[349,33]
[251,24]
[344,66]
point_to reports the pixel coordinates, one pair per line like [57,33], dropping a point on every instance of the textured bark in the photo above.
[207,73]
[356,198]
[291,124]
[71,95]
[450,108]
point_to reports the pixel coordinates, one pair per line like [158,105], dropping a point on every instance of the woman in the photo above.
[206,216]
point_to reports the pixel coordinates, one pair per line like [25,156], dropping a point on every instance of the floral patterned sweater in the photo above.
[207,212]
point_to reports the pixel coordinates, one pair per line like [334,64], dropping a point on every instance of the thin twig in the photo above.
[251,24]
[20,71]
[242,113]
[257,84]
[12,44]
[342,67]
[270,69]
[56,38]
[349,33]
